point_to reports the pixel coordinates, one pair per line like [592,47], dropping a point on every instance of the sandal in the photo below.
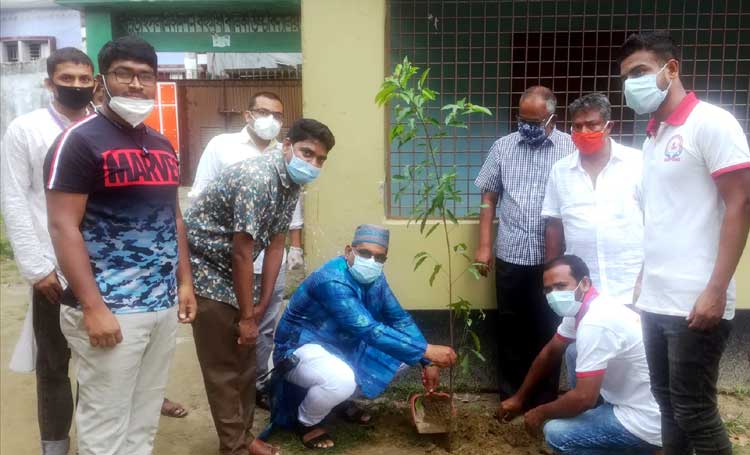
[171,409]
[315,441]
[353,413]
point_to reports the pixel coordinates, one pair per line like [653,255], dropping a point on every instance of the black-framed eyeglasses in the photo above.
[367,254]
[125,76]
[260,112]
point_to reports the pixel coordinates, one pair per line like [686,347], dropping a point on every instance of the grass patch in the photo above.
[736,426]
[6,252]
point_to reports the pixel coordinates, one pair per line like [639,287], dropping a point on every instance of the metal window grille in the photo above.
[491,51]
[35,51]
[11,51]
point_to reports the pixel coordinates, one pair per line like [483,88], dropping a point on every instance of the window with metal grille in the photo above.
[491,51]
[11,51]
[35,51]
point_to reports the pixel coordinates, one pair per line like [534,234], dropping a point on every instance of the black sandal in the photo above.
[303,430]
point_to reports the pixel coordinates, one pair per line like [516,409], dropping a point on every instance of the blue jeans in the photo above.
[595,432]
[571,355]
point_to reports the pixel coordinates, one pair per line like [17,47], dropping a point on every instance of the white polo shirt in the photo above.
[683,208]
[609,342]
[602,223]
[225,150]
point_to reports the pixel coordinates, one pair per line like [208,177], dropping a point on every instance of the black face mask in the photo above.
[74,97]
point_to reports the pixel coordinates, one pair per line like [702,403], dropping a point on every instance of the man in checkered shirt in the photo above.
[515,175]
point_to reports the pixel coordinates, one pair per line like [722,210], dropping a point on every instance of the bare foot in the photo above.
[258,447]
[172,409]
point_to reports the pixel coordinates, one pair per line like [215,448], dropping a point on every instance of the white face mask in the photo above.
[132,110]
[643,95]
[267,127]
[564,303]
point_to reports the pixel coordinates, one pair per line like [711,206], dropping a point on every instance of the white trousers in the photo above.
[120,389]
[329,381]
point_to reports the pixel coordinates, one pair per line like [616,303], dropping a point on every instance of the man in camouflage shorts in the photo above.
[245,210]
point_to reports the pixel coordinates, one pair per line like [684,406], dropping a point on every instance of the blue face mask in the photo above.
[564,303]
[300,171]
[643,95]
[365,271]
[533,134]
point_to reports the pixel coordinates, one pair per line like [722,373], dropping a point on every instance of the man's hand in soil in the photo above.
[248,329]
[534,420]
[102,327]
[509,409]
[430,378]
[50,288]
[441,356]
[188,307]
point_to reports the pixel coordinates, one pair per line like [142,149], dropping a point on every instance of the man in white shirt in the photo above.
[611,363]
[592,206]
[264,120]
[24,147]
[696,196]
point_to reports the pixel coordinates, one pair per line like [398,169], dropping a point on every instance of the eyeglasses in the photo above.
[125,76]
[367,254]
[265,113]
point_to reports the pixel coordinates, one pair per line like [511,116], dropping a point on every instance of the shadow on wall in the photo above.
[22,89]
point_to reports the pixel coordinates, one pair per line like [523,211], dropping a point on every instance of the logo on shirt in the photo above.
[673,149]
[133,167]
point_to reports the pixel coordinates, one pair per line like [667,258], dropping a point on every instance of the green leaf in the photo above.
[474,272]
[459,247]
[478,355]
[475,339]
[475,108]
[425,73]
[484,206]
[432,229]
[434,273]
[451,216]
[420,261]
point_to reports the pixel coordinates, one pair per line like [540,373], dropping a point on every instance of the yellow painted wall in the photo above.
[343,46]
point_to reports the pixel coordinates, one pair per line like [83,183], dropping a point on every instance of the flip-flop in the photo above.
[303,430]
[353,413]
[173,409]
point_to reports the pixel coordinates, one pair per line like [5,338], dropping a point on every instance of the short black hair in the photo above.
[269,95]
[127,48]
[65,55]
[578,268]
[659,42]
[307,128]
[589,102]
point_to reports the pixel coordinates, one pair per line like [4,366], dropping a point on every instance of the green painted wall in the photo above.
[98,32]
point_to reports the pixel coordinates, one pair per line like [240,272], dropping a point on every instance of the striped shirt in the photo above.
[519,175]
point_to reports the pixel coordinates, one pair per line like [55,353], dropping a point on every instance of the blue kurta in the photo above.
[364,325]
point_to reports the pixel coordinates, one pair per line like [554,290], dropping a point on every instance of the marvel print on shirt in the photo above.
[131,178]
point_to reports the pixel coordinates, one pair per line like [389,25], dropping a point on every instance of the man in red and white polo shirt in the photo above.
[611,362]
[696,195]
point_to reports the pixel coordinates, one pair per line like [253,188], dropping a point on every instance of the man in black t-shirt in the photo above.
[117,231]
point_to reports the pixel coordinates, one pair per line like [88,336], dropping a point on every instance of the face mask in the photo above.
[365,271]
[73,97]
[300,171]
[564,303]
[132,110]
[534,135]
[266,127]
[643,95]
[589,143]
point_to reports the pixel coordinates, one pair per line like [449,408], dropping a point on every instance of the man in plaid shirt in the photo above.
[515,175]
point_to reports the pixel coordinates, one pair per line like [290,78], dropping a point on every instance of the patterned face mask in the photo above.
[533,133]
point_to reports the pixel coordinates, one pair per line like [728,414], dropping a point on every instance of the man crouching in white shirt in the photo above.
[611,363]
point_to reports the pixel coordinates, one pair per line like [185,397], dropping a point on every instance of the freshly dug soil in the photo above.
[436,412]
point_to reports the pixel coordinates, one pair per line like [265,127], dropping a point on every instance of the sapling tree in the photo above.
[412,105]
